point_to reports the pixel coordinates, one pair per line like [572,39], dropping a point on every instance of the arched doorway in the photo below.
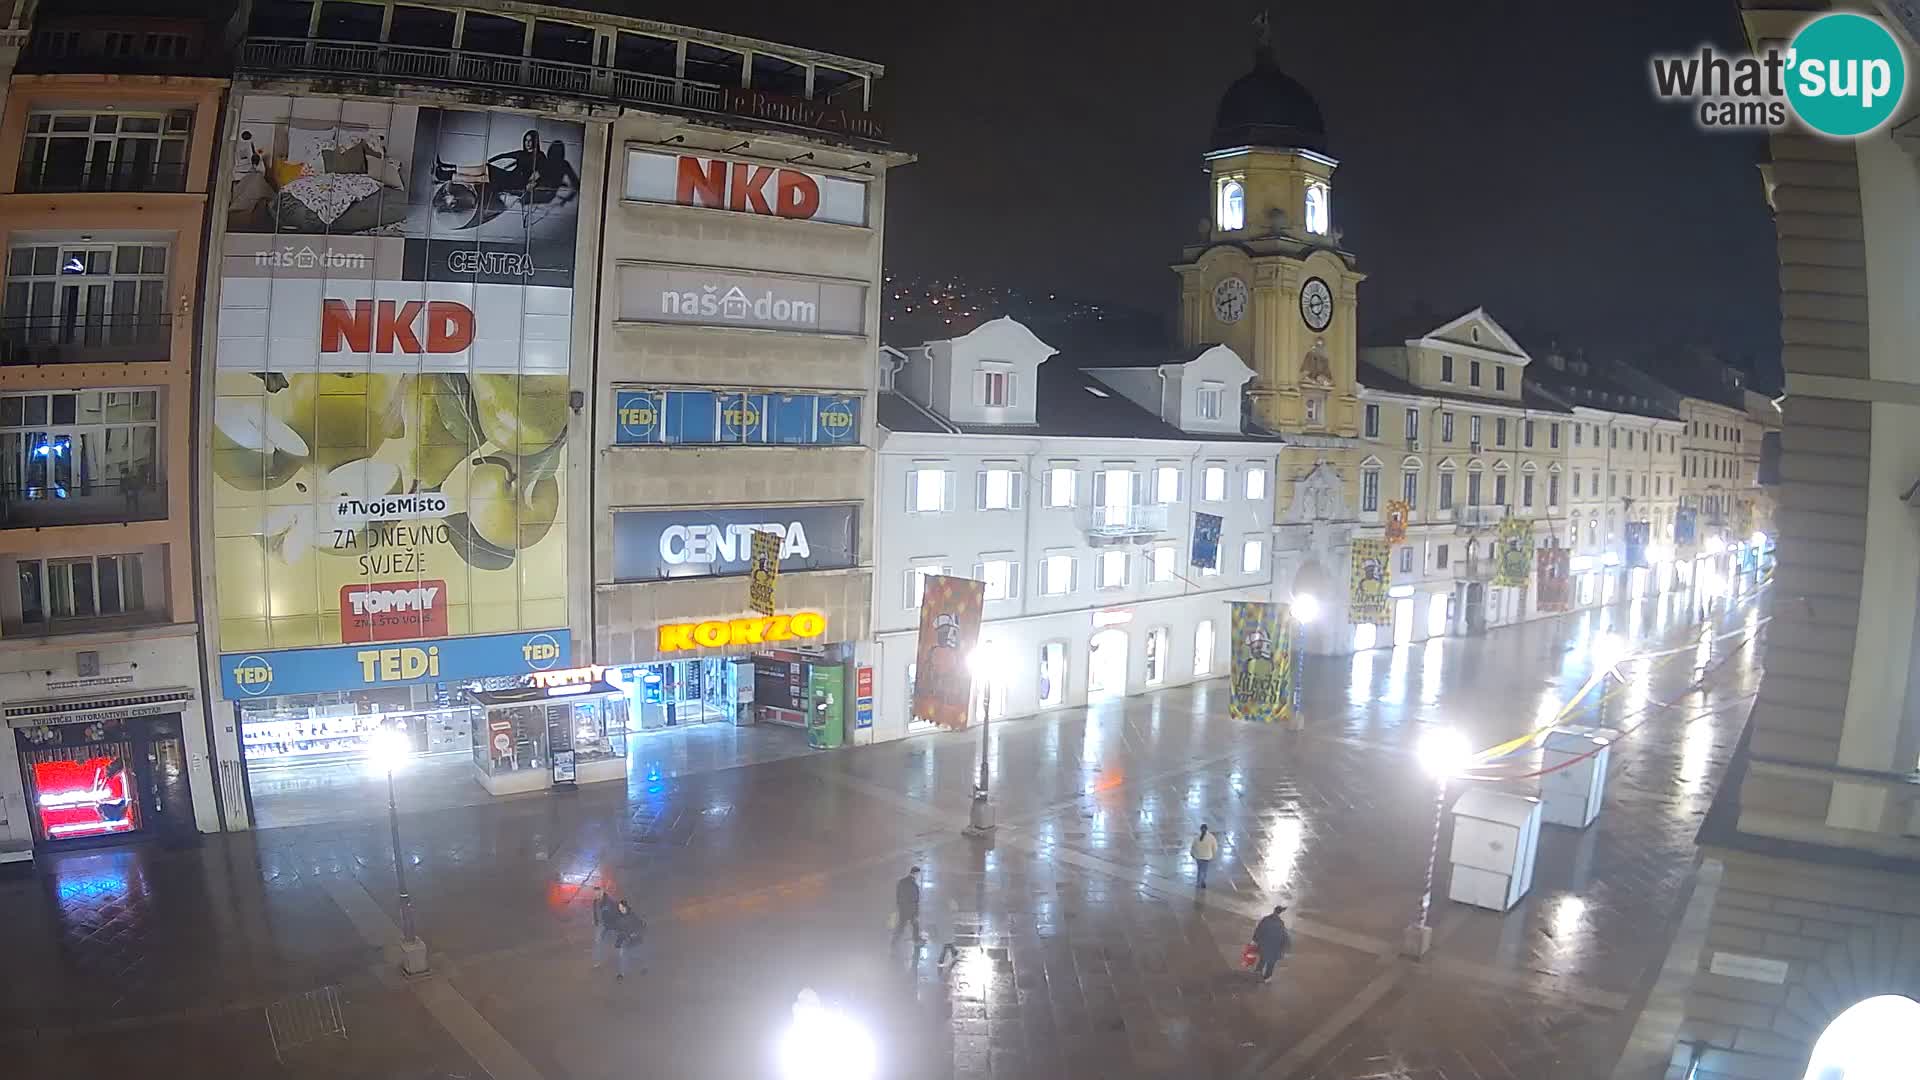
[1107,664]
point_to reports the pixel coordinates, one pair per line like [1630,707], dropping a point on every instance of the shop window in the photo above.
[74,590]
[421,27]
[645,54]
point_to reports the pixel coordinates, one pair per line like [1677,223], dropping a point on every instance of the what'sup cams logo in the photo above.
[1843,75]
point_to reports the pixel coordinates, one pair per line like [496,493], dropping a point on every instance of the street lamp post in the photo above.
[980,816]
[387,749]
[1443,754]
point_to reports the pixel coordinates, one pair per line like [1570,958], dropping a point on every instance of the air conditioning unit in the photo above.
[1473,447]
[1413,443]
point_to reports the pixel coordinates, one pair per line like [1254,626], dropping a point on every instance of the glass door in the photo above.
[1053,674]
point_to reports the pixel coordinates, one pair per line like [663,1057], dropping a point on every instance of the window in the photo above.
[1203,648]
[996,389]
[63,446]
[916,586]
[106,151]
[1369,490]
[1163,563]
[1553,436]
[1473,432]
[1499,431]
[1316,407]
[1319,214]
[1576,483]
[1441,553]
[1002,577]
[1446,491]
[1643,484]
[927,490]
[1499,376]
[1526,434]
[1526,491]
[1253,556]
[1214,484]
[1553,491]
[1060,479]
[1232,213]
[705,63]
[1473,373]
[1473,489]
[1577,429]
[1207,401]
[1446,428]
[1410,488]
[1500,489]
[89,296]
[1256,482]
[87,587]
[1113,569]
[1373,422]
[1413,427]
[1166,484]
[1613,438]
[1057,574]
[1612,485]
[1406,561]
[998,488]
[1446,368]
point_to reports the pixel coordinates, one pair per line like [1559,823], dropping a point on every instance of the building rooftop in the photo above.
[1531,397]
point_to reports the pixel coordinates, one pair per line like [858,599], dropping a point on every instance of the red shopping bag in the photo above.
[1250,956]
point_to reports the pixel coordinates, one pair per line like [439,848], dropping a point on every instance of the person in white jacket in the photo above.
[1205,847]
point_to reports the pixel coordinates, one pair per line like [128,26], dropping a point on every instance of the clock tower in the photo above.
[1270,280]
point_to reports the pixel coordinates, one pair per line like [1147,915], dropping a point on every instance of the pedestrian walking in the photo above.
[602,931]
[950,948]
[906,907]
[1272,938]
[629,935]
[1205,848]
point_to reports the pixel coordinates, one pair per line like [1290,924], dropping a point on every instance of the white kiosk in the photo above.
[1572,794]
[1495,836]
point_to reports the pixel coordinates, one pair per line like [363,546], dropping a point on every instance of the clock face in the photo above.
[1230,300]
[1316,304]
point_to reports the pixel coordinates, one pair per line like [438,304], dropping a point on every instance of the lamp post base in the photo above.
[1416,941]
[980,817]
[413,956]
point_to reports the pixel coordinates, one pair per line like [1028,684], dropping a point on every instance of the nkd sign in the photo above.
[744,188]
[697,297]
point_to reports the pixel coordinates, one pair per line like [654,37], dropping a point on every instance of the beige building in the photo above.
[1818,909]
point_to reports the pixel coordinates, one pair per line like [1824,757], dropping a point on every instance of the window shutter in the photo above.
[1013,389]
[1133,489]
[980,489]
[913,491]
[1016,482]
[949,498]
[979,571]
[1099,489]
[913,577]
[1073,575]
[1013,580]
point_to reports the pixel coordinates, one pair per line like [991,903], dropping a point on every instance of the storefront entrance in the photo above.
[1107,664]
[105,779]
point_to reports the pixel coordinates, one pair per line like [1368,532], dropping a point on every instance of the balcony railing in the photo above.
[1120,524]
[41,177]
[42,506]
[379,60]
[1478,517]
[59,340]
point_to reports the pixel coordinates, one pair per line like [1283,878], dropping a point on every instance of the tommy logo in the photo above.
[393,611]
[387,326]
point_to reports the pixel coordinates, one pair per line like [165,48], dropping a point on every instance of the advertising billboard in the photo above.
[1554,591]
[388,444]
[695,296]
[744,187]
[1368,582]
[699,541]
[1513,565]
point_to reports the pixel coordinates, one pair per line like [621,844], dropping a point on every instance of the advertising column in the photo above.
[391,409]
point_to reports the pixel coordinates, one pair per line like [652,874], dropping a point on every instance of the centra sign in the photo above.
[756,630]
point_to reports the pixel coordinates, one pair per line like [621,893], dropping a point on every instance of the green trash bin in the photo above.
[826,706]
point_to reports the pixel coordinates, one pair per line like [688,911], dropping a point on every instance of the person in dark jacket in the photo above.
[602,932]
[629,932]
[1271,937]
[906,907]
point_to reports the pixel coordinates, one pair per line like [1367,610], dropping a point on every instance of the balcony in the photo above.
[112,502]
[1122,524]
[383,61]
[1470,518]
[45,177]
[144,339]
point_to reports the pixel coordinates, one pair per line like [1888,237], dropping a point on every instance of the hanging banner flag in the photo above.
[949,629]
[1513,564]
[1554,590]
[1266,683]
[1368,583]
[1397,513]
[1206,541]
[764,572]
[1685,530]
[1637,543]
[1742,521]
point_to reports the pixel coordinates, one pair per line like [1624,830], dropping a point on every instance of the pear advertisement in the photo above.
[389,431]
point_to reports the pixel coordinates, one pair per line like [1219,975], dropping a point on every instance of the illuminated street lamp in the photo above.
[388,750]
[1443,754]
[824,1043]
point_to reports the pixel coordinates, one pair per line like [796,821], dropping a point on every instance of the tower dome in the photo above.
[1267,107]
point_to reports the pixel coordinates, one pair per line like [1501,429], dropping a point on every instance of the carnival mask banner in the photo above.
[1637,532]
[1685,526]
[1514,564]
[1368,583]
[1206,541]
[949,629]
[1554,590]
[1397,513]
[764,578]
[1266,683]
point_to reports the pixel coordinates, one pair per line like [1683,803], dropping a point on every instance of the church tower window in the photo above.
[1233,206]
[1318,212]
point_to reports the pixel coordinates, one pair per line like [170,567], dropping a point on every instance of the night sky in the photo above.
[1502,154]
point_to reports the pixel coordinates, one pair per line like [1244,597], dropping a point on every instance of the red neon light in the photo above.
[84,798]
